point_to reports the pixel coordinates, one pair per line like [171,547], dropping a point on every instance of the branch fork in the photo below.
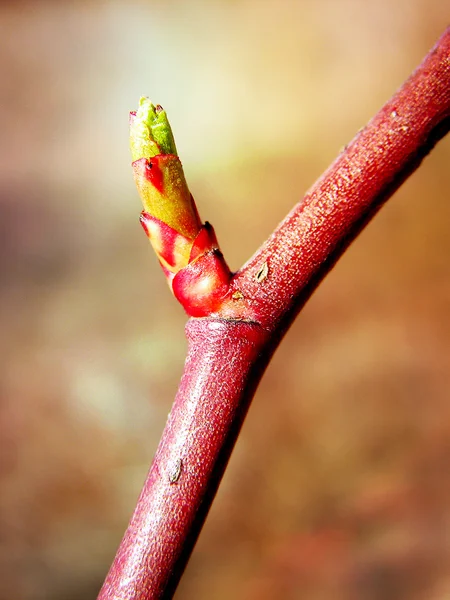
[244,315]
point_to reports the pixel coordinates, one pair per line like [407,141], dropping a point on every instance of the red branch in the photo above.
[226,356]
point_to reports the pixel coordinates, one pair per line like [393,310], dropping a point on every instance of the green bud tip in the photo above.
[150,131]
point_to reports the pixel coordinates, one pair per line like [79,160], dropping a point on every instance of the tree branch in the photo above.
[229,350]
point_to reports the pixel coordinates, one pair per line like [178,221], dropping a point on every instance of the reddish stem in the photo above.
[193,452]
[227,357]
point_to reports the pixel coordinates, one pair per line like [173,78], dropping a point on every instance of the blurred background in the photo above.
[339,486]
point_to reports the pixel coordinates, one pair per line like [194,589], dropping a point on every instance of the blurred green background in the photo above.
[339,486]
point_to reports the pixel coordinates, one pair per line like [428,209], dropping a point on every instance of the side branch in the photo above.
[368,171]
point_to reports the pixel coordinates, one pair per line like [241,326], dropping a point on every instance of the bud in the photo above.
[187,250]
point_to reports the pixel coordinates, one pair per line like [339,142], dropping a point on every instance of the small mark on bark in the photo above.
[175,475]
[238,295]
[262,273]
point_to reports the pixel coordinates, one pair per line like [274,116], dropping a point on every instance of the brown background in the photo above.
[339,485]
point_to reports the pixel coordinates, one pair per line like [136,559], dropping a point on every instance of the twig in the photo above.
[229,350]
